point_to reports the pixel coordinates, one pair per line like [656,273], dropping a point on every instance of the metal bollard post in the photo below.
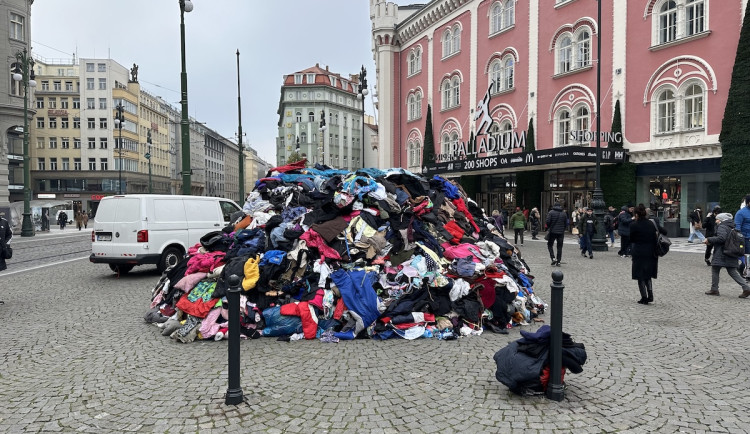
[555,390]
[234,394]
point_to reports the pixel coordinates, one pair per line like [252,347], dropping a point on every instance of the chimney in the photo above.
[326,68]
[317,65]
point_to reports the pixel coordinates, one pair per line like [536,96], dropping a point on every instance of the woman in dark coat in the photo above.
[725,224]
[642,244]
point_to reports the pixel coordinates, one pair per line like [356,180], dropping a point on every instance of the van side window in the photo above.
[227,209]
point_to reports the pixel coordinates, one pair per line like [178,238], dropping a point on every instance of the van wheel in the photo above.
[169,258]
[120,269]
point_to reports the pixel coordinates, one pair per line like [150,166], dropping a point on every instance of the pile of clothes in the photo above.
[335,255]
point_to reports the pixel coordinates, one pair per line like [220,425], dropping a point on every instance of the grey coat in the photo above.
[719,259]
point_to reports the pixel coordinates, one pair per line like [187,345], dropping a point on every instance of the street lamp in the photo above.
[119,122]
[185,6]
[239,134]
[361,94]
[599,242]
[322,129]
[24,72]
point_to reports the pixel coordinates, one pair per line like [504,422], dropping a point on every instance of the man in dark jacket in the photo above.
[6,234]
[623,228]
[709,224]
[556,222]
[725,224]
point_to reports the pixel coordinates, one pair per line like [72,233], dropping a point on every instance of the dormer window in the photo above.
[310,78]
[297,78]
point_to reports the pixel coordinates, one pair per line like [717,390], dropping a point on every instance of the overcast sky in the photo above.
[275,37]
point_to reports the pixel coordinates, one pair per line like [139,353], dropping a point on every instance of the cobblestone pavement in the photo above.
[77,356]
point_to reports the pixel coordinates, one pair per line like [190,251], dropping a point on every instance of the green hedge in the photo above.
[618,184]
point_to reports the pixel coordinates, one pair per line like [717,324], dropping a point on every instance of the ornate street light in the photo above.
[361,94]
[119,122]
[599,242]
[185,6]
[322,129]
[24,72]
[239,134]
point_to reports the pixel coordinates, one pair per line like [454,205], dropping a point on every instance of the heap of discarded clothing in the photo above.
[335,255]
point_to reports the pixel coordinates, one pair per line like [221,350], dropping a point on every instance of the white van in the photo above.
[138,229]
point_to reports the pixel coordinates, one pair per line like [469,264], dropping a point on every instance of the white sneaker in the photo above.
[219,336]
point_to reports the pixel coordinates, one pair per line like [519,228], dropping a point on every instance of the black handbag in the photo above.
[662,242]
[7,252]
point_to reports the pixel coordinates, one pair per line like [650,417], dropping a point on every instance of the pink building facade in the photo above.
[667,62]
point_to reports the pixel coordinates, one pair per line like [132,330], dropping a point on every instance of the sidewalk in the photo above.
[679,244]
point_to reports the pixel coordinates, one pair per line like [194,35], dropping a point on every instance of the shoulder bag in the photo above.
[662,241]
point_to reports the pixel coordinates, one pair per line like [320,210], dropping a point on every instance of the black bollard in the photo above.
[555,390]
[234,394]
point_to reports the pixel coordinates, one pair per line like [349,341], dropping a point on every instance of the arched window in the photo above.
[582,118]
[418,105]
[665,112]
[415,154]
[667,22]
[303,137]
[496,75]
[496,17]
[445,144]
[311,116]
[447,43]
[415,61]
[564,55]
[299,116]
[695,17]
[583,48]
[454,140]
[456,92]
[563,127]
[447,92]
[456,39]
[509,13]
[411,108]
[508,72]
[693,101]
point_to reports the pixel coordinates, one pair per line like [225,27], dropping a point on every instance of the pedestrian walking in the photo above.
[518,223]
[586,229]
[85,217]
[534,221]
[624,220]
[645,263]
[725,224]
[556,224]
[742,223]
[709,224]
[573,219]
[696,220]
[62,219]
[6,234]
[499,222]
[609,225]
[526,216]
[79,220]
[45,219]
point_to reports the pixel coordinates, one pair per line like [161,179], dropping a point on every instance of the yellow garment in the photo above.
[252,274]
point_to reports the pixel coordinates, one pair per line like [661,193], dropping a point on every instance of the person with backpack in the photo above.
[623,228]
[534,220]
[609,226]
[62,220]
[742,223]
[724,227]
[709,224]
[696,221]
[586,229]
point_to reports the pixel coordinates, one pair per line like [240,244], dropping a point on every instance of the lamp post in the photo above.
[119,122]
[361,94]
[599,242]
[239,134]
[24,72]
[322,129]
[185,6]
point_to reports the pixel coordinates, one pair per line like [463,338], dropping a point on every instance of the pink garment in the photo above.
[318,300]
[188,282]
[205,262]
[209,327]
[192,251]
[461,251]
[157,300]
[314,239]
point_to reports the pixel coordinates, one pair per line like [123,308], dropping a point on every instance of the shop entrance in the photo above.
[549,198]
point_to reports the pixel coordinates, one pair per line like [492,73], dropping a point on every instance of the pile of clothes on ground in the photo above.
[335,255]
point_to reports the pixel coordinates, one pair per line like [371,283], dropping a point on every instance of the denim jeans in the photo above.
[695,233]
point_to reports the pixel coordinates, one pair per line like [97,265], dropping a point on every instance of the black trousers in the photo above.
[624,245]
[517,233]
[550,241]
